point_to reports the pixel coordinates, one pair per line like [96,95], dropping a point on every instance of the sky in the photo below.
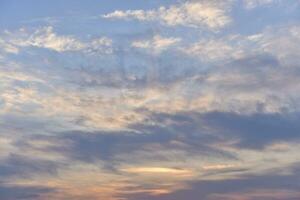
[150,100]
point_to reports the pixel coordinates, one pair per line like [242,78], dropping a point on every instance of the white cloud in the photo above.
[156,44]
[281,42]
[192,14]
[209,50]
[213,50]
[254,3]
[7,47]
[102,45]
[6,147]
[45,37]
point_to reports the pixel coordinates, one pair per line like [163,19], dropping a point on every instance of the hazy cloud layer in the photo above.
[150,100]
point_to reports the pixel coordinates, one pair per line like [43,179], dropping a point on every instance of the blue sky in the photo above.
[158,100]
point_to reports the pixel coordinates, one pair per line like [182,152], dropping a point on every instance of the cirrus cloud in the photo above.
[156,44]
[211,15]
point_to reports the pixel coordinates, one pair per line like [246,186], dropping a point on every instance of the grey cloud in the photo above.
[22,192]
[199,131]
[242,185]
[24,166]
[253,130]
[256,130]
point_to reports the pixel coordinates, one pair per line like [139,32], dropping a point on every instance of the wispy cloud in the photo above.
[188,99]
[254,3]
[45,37]
[212,15]
[156,44]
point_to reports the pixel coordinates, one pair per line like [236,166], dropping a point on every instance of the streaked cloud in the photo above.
[159,170]
[45,37]
[156,44]
[212,15]
[156,100]
[7,47]
[217,167]
[213,50]
[254,3]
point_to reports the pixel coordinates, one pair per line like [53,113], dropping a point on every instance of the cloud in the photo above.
[274,40]
[197,148]
[176,113]
[213,50]
[217,167]
[268,194]
[10,75]
[11,192]
[235,74]
[270,40]
[16,166]
[45,37]
[156,44]
[255,131]
[250,129]
[158,170]
[250,4]
[212,15]
[100,45]
[6,147]
[7,47]
[250,187]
